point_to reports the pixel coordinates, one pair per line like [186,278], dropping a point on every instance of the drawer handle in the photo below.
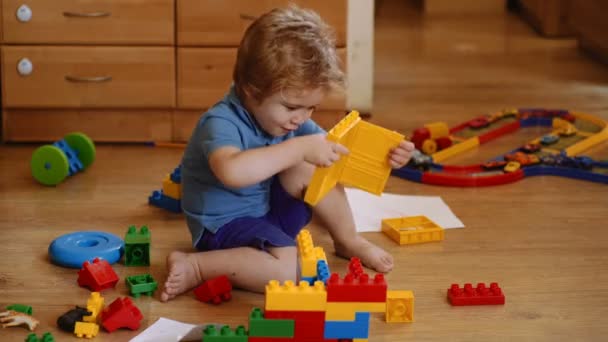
[78,79]
[247,16]
[86,15]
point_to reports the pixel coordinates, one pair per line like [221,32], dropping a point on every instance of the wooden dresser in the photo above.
[125,70]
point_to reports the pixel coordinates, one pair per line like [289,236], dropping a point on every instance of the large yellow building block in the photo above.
[94,305]
[365,167]
[172,189]
[345,311]
[86,329]
[291,297]
[412,230]
[399,306]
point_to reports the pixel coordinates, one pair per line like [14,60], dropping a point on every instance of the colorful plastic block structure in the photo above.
[412,230]
[142,283]
[216,290]
[51,164]
[365,166]
[97,276]
[137,246]
[338,312]
[122,313]
[169,197]
[480,295]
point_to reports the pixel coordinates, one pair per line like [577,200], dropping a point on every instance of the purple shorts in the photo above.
[278,228]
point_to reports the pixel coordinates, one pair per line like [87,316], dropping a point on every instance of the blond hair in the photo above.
[287,49]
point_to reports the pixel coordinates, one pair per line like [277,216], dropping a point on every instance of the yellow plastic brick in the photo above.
[365,167]
[399,306]
[412,230]
[86,329]
[94,305]
[306,254]
[289,297]
[171,189]
[345,311]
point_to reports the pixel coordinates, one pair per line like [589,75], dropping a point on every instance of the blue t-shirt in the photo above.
[207,203]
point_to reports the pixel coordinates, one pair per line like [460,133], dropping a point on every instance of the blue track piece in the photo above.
[72,250]
[75,165]
[565,172]
[536,121]
[158,199]
[408,173]
[176,175]
[348,329]
[322,271]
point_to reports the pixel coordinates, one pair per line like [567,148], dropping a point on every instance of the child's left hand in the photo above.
[400,155]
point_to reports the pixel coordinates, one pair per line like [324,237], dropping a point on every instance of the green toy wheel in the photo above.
[49,165]
[84,146]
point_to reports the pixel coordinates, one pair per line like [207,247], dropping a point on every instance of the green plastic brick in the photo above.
[210,334]
[26,309]
[143,283]
[137,246]
[47,337]
[262,327]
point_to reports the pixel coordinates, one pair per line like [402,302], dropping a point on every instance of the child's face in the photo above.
[285,111]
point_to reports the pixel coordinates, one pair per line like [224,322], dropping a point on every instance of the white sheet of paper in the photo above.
[168,330]
[369,210]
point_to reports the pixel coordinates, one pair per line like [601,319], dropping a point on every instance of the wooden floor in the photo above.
[540,238]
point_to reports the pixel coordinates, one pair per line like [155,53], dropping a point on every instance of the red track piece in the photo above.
[97,276]
[216,290]
[481,295]
[122,313]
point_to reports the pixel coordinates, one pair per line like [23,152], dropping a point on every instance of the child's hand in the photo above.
[320,151]
[400,155]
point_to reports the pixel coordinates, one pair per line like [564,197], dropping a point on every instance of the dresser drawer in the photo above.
[101,125]
[95,77]
[223,22]
[205,74]
[90,22]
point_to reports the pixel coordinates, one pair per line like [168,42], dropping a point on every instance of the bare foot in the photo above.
[371,255]
[183,275]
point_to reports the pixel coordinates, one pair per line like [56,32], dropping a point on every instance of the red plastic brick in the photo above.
[122,313]
[481,295]
[97,276]
[216,290]
[355,268]
[360,289]
[308,324]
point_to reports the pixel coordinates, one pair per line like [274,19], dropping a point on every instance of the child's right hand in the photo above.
[320,151]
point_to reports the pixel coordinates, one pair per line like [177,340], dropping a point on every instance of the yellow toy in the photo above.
[412,230]
[365,167]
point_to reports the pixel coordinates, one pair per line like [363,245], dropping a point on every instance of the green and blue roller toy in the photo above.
[51,164]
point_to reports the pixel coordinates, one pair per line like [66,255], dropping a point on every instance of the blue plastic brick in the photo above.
[310,280]
[359,328]
[158,199]
[75,163]
[176,175]
[322,271]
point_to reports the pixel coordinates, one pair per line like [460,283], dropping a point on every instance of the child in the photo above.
[246,167]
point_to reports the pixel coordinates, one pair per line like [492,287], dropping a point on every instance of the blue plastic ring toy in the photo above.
[72,250]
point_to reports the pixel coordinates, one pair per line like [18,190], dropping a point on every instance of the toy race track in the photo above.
[556,153]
